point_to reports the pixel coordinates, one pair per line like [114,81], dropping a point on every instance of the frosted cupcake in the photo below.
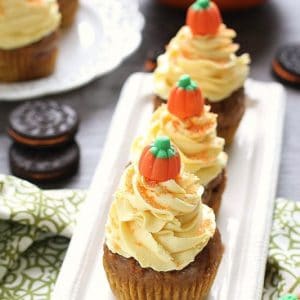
[28,38]
[161,241]
[192,128]
[204,49]
[68,9]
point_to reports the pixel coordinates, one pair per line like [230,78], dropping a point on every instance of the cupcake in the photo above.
[28,39]
[192,128]
[68,9]
[161,241]
[204,49]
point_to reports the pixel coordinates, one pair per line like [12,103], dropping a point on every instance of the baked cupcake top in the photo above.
[204,49]
[160,222]
[191,127]
[23,22]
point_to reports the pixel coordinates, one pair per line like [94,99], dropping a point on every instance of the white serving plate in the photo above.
[93,46]
[246,212]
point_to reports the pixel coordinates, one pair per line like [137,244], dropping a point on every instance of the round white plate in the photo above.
[104,34]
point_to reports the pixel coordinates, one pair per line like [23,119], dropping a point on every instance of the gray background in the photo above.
[260,32]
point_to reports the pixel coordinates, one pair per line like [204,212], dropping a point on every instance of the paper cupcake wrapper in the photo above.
[214,195]
[137,290]
[68,9]
[30,62]
[129,281]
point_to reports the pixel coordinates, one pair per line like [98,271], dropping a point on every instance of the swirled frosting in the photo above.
[200,149]
[163,226]
[23,22]
[210,60]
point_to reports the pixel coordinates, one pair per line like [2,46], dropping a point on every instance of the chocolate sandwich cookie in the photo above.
[286,64]
[43,124]
[44,164]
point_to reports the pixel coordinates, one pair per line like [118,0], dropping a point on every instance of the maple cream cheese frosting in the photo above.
[200,149]
[23,22]
[210,60]
[162,225]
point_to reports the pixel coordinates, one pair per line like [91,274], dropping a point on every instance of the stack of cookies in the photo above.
[44,145]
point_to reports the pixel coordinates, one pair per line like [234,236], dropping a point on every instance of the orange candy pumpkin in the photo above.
[186,99]
[204,18]
[160,161]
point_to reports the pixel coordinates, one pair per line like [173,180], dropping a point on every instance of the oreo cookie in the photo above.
[43,124]
[44,165]
[286,64]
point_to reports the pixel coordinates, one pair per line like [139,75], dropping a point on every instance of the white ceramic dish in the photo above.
[92,47]
[246,212]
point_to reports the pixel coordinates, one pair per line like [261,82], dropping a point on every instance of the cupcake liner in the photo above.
[129,281]
[228,133]
[230,112]
[30,62]
[68,9]
[213,195]
[157,102]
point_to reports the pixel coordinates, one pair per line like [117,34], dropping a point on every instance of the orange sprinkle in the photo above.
[139,244]
[148,198]
[131,227]
[175,124]
[204,225]
[200,156]
[186,54]
[150,183]
[2,11]
[198,127]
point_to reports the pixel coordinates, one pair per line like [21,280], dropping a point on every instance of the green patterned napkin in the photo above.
[35,227]
[283,268]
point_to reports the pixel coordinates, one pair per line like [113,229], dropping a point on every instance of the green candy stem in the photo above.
[201,4]
[185,82]
[289,297]
[162,148]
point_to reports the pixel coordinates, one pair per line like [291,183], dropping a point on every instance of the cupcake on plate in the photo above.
[28,38]
[68,9]
[161,241]
[204,49]
[192,128]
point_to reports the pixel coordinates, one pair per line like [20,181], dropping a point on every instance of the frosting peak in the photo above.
[23,22]
[210,60]
[163,225]
[201,151]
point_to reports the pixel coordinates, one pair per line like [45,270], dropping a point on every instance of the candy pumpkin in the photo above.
[159,161]
[186,99]
[204,18]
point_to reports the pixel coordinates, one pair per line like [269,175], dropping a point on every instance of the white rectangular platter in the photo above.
[246,213]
